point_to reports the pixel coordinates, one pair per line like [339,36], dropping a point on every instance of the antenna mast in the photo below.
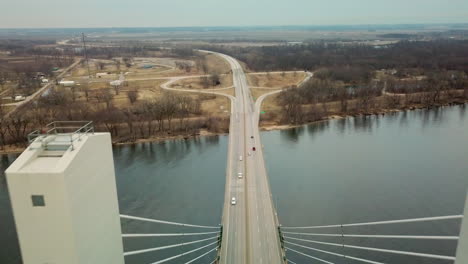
[85,54]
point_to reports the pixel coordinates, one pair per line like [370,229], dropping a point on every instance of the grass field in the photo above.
[275,80]
[197,83]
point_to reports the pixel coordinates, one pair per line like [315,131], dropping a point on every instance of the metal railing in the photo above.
[70,130]
[299,239]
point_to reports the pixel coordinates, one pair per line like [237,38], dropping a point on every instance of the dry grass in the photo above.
[150,89]
[147,90]
[257,92]
[275,80]
[216,64]
[215,105]
[196,83]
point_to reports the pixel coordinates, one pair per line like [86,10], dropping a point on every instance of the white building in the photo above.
[64,199]
[116,83]
[67,83]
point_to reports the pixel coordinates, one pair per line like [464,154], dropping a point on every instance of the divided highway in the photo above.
[250,232]
[250,226]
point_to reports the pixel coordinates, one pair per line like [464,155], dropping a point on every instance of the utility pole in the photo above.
[85,54]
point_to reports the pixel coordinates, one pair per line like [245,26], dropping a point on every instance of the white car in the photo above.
[248,153]
[233,200]
[239,175]
[240,158]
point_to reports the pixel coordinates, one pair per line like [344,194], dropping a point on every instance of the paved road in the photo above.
[43,89]
[250,226]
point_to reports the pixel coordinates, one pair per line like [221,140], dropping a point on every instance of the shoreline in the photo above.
[263,127]
[381,112]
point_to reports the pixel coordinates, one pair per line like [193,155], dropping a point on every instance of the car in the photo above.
[240,158]
[251,136]
[239,175]
[233,200]
[253,148]
[248,153]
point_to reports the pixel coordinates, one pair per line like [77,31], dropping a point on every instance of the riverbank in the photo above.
[278,124]
[264,126]
[17,149]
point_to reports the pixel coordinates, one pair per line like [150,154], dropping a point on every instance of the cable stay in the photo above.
[164,222]
[201,256]
[169,234]
[376,249]
[411,220]
[309,256]
[376,236]
[290,261]
[330,253]
[128,253]
[183,254]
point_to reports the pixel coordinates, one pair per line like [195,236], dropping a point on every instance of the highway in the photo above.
[250,227]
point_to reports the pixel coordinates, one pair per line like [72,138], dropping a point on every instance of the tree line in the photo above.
[319,98]
[435,55]
[171,113]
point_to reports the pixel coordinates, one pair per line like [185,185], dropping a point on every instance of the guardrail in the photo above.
[71,130]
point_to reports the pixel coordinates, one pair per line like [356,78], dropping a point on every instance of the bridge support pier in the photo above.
[462,249]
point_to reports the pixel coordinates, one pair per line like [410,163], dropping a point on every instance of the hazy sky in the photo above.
[168,13]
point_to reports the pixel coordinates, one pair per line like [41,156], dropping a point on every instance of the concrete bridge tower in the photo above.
[64,199]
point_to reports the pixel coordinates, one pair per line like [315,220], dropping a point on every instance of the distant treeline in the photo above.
[433,55]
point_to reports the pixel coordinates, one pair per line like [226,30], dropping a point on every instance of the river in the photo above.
[402,165]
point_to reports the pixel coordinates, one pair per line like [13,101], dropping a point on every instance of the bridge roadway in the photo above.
[250,227]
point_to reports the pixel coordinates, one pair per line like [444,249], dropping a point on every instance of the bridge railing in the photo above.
[212,242]
[302,241]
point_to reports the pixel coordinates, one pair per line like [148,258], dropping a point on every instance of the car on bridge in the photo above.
[239,175]
[233,200]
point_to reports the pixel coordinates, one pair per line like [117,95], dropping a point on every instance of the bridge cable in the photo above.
[375,236]
[335,254]
[423,219]
[128,253]
[309,256]
[201,256]
[169,234]
[183,254]
[379,249]
[164,222]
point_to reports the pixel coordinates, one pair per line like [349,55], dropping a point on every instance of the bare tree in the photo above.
[215,79]
[104,96]
[132,95]
[85,88]
[100,65]
[205,82]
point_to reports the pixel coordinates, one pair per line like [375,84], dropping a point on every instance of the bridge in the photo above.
[250,231]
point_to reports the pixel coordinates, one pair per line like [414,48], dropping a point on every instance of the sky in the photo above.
[177,13]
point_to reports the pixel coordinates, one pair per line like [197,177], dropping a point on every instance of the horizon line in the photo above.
[249,26]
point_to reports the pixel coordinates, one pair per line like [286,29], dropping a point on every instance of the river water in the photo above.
[403,165]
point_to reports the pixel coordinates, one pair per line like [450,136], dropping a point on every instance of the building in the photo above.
[64,199]
[67,83]
[116,83]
